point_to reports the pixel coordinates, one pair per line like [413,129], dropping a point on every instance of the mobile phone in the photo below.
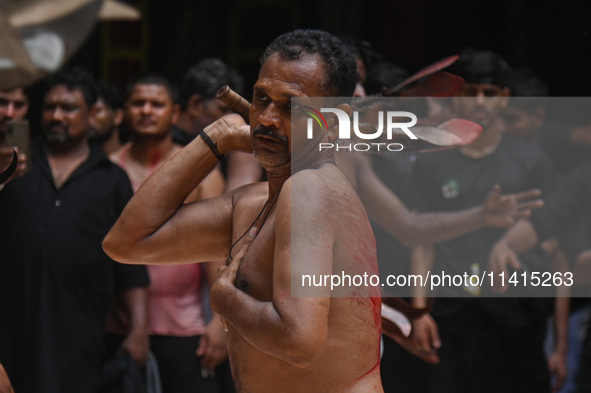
[18,134]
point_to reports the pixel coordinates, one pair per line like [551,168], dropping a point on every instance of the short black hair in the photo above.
[74,78]
[341,75]
[384,74]
[110,94]
[153,79]
[363,50]
[524,82]
[206,77]
[482,67]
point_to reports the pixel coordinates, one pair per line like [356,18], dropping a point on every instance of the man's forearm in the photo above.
[294,339]
[414,229]
[388,211]
[521,237]
[136,344]
[422,261]
[159,199]
[136,304]
[439,227]
[561,314]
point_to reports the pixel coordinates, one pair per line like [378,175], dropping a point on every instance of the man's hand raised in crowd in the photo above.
[502,211]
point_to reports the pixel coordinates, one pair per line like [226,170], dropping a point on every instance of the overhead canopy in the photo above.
[38,36]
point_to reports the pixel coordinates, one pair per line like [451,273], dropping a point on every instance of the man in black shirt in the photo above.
[56,283]
[483,344]
[568,205]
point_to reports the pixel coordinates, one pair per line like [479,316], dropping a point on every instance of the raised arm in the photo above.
[386,209]
[155,227]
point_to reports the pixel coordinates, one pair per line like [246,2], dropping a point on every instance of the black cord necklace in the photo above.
[256,219]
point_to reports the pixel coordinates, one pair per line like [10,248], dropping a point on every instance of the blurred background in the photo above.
[551,38]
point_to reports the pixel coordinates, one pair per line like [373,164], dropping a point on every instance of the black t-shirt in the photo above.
[450,181]
[180,136]
[570,203]
[56,283]
[554,138]
[569,207]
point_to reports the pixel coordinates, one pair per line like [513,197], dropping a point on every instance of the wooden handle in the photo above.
[234,101]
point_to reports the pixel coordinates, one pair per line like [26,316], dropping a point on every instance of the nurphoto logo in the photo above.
[389,123]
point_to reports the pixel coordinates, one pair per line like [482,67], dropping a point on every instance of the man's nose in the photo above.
[10,110]
[480,98]
[57,114]
[147,107]
[270,116]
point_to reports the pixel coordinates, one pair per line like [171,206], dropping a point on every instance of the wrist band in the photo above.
[212,145]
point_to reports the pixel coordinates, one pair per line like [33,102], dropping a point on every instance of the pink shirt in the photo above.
[175,300]
[174,303]
[174,296]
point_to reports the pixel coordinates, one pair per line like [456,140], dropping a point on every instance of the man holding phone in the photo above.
[56,283]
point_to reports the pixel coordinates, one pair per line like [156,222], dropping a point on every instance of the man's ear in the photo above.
[117,117]
[195,105]
[505,95]
[176,112]
[333,121]
[92,111]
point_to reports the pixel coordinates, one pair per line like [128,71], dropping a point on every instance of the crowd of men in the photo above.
[117,246]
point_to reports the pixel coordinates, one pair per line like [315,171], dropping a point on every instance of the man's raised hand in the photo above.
[502,211]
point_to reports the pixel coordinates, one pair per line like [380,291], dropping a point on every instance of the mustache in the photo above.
[57,124]
[269,132]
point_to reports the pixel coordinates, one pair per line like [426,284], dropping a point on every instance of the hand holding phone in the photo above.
[18,136]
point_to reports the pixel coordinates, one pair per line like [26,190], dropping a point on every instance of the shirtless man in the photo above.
[180,339]
[277,343]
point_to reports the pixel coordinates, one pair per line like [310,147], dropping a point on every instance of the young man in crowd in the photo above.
[480,344]
[188,351]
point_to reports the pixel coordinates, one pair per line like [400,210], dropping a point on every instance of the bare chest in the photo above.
[255,275]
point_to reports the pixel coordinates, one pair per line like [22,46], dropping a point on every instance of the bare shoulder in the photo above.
[318,193]
[115,157]
[317,184]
